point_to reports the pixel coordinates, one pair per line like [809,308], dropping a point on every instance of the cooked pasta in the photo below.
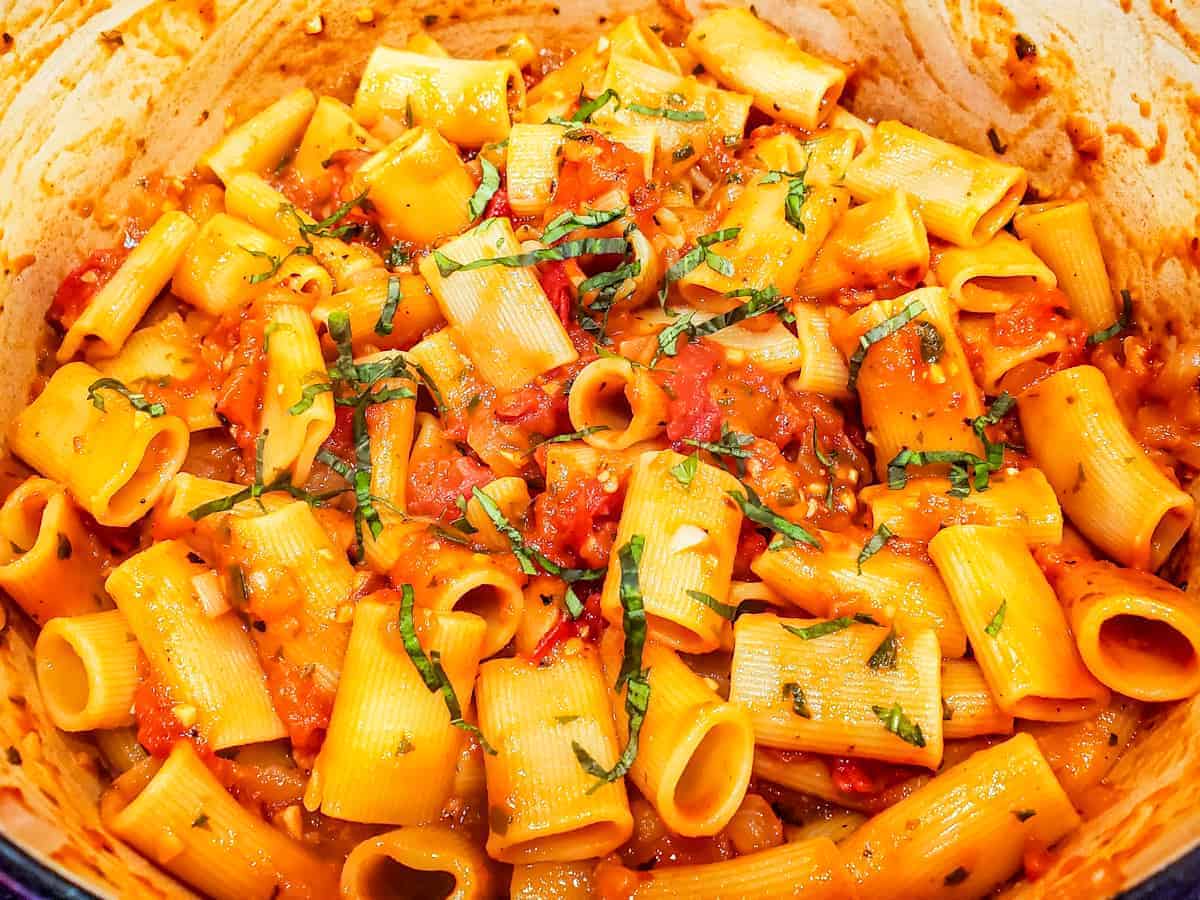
[606,470]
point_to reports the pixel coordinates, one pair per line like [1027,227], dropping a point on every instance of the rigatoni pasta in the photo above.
[598,479]
[1017,629]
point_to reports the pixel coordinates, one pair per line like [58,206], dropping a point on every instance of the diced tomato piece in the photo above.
[750,545]
[576,524]
[534,411]
[158,728]
[589,625]
[558,288]
[692,412]
[594,167]
[498,207]
[434,485]
[82,283]
[302,704]
[866,776]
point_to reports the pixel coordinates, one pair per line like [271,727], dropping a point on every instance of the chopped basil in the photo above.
[960,461]
[994,139]
[605,285]
[325,228]
[591,107]
[1024,815]
[201,821]
[760,302]
[947,710]
[799,704]
[391,303]
[462,523]
[515,539]
[489,183]
[957,876]
[797,193]
[637,687]
[829,462]
[726,611]
[659,112]
[997,620]
[65,549]
[569,250]
[566,222]
[1124,321]
[431,671]
[530,558]
[136,400]
[685,471]
[876,543]
[829,626]
[932,343]
[572,603]
[697,255]
[753,509]
[633,615]
[731,444]
[878,333]
[308,396]
[668,338]
[885,654]
[637,701]
[274,262]
[573,436]
[895,721]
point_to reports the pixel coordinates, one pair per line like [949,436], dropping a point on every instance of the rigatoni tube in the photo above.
[1016,627]
[1111,490]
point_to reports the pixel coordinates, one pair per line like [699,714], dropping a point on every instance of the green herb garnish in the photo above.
[895,721]
[881,536]
[568,250]
[136,400]
[430,669]
[878,333]
[1124,321]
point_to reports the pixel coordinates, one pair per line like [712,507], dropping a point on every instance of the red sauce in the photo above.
[435,485]
[692,412]
[577,525]
[82,283]
[302,704]
[591,168]
[158,728]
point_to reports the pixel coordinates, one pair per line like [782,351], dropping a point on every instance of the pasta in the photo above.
[615,470]
[968,826]
[785,81]
[1103,469]
[1015,625]
[114,458]
[962,197]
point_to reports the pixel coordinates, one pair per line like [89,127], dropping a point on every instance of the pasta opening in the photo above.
[62,675]
[578,840]
[675,635]
[705,785]
[485,600]
[22,529]
[1145,648]
[996,217]
[388,879]
[613,409]
[136,495]
[1171,528]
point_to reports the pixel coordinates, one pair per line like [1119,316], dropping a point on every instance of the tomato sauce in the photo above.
[82,283]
